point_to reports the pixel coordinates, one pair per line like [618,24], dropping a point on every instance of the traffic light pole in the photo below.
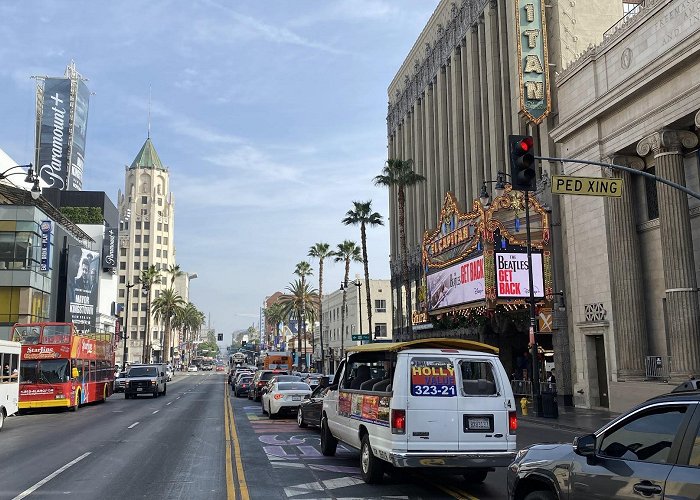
[536,396]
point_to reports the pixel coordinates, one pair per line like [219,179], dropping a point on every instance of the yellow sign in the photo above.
[546,321]
[591,186]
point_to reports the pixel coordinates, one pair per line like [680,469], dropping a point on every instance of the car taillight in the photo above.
[512,422]
[398,421]
[278,396]
[261,383]
[244,385]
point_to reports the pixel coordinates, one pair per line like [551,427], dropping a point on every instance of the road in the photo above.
[198,442]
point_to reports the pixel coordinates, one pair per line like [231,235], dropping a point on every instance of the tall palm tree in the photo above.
[274,314]
[298,297]
[166,307]
[347,252]
[302,269]
[175,272]
[148,278]
[321,251]
[399,174]
[362,214]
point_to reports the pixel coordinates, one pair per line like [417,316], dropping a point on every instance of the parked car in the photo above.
[433,404]
[310,408]
[220,368]
[652,451]
[260,379]
[120,382]
[242,387]
[283,397]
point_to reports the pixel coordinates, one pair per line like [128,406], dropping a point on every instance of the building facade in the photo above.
[146,238]
[452,105]
[633,262]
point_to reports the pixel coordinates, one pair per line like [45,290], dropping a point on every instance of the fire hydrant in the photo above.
[523,405]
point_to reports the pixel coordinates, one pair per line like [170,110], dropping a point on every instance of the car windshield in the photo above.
[246,379]
[293,386]
[143,371]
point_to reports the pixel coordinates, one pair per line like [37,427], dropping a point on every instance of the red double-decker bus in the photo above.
[61,367]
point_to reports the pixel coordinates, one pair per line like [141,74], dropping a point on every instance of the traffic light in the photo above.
[522,163]
[219,337]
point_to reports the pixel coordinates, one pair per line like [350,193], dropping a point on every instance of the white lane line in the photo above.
[133,425]
[168,404]
[155,412]
[48,478]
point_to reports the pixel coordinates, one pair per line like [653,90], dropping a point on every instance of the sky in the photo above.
[270,116]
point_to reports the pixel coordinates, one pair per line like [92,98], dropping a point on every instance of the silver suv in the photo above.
[146,379]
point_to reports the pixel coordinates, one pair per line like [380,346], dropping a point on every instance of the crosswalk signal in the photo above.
[219,337]
[522,163]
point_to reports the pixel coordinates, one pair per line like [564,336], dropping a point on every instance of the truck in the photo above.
[278,361]
[237,359]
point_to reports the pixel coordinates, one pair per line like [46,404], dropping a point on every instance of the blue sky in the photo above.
[270,116]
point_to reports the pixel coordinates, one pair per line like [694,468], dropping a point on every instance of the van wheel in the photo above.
[540,495]
[155,394]
[371,468]
[476,475]
[165,389]
[328,442]
[2,417]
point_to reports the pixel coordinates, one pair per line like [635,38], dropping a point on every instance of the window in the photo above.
[166,228]
[137,252]
[651,196]
[159,240]
[144,211]
[383,332]
[369,372]
[137,265]
[165,254]
[144,199]
[158,252]
[134,307]
[147,226]
[477,378]
[380,306]
[138,224]
[121,293]
[122,279]
[630,8]
[160,202]
[146,238]
[145,252]
[160,226]
[134,321]
[11,361]
[143,306]
[645,437]
[165,240]
[122,252]
[137,238]
[122,265]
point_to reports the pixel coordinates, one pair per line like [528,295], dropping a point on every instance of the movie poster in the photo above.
[82,288]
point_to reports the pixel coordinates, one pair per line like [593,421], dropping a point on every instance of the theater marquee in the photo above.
[533,69]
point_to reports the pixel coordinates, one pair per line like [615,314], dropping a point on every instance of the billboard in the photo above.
[457,284]
[109,249]
[512,277]
[78,134]
[82,289]
[54,132]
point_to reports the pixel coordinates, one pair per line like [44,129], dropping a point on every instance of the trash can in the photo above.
[549,405]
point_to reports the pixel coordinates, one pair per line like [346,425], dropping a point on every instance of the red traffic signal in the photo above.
[522,163]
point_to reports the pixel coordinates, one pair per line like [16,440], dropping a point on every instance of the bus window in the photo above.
[53,371]
[27,335]
[56,334]
[28,373]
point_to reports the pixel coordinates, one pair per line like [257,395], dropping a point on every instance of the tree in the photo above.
[346,251]
[399,174]
[303,269]
[175,272]
[299,296]
[188,319]
[166,307]
[148,278]
[362,214]
[274,314]
[321,251]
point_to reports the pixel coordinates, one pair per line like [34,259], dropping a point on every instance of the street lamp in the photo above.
[129,286]
[499,189]
[30,178]
[358,284]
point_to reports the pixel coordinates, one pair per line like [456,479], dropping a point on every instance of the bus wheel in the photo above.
[105,393]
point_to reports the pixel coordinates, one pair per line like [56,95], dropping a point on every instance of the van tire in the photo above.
[371,467]
[540,495]
[328,442]
[2,417]
[476,475]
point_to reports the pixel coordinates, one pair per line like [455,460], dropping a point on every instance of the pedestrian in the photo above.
[6,371]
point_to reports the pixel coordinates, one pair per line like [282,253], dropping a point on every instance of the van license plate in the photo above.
[296,398]
[139,389]
[479,424]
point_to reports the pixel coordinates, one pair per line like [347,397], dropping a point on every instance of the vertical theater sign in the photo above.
[533,69]
[475,263]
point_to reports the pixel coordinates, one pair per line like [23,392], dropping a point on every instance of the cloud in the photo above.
[348,11]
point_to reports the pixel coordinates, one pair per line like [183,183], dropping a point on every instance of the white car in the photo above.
[283,397]
[192,368]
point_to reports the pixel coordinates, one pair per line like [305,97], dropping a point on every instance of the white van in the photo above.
[9,378]
[430,403]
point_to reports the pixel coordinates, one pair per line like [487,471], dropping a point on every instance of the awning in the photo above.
[433,343]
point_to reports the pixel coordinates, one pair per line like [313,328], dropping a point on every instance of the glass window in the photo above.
[146,238]
[121,293]
[695,452]
[122,279]
[158,252]
[145,252]
[293,386]
[160,226]
[144,199]
[147,226]
[363,373]
[134,307]
[380,306]
[122,252]
[645,437]
[53,371]
[122,265]
[165,240]
[137,238]
[477,378]
[383,332]
[165,254]
[137,265]
[166,228]
[138,224]
[137,252]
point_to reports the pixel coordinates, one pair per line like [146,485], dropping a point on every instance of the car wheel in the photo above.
[540,495]
[269,412]
[2,418]
[328,442]
[475,475]
[300,418]
[371,468]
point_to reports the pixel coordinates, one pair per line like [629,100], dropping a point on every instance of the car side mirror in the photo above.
[585,445]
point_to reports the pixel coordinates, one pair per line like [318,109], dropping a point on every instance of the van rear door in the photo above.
[432,416]
[482,401]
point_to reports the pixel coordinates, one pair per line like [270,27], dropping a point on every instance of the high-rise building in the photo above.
[146,228]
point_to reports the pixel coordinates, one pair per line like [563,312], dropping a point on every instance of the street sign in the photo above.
[364,336]
[590,186]
[546,321]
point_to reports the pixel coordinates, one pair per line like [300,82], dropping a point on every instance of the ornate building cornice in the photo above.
[666,140]
[449,36]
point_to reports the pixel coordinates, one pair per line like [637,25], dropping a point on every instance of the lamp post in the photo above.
[358,284]
[129,286]
[31,178]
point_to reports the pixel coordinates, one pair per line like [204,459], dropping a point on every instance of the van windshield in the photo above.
[143,371]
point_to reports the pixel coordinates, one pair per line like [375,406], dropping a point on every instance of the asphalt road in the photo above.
[198,442]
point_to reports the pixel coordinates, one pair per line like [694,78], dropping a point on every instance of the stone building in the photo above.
[452,105]
[146,237]
[633,262]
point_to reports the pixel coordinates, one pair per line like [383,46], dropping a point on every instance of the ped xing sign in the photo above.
[590,186]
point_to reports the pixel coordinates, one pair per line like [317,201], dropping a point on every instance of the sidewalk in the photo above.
[583,420]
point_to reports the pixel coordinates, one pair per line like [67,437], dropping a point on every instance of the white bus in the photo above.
[9,378]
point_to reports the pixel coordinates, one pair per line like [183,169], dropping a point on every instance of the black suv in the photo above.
[652,451]
[260,380]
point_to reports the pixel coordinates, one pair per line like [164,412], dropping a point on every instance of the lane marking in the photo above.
[242,484]
[48,478]
[455,492]
[230,490]
[133,425]
[155,412]
[168,404]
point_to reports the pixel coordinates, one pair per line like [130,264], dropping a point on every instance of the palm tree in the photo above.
[298,297]
[188,319]
[346,251]
[302,269]
[363,215]
[175,272]
[274,314]
[320,251]
[399,174]
[166,307]
[148,278]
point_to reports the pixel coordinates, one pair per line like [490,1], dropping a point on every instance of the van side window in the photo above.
[477,378]
[362,374]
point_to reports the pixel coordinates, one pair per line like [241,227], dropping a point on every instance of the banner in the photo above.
[457,284]
[82,289]
[512,277]
[77,145]
[109,249]
[54,133]
[46,229]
